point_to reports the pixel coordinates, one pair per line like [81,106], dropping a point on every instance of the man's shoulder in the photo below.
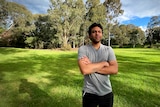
[84,46]
[106,47]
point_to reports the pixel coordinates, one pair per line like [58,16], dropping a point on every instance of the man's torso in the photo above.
[95,83]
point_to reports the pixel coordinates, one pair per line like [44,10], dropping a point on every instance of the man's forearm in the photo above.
[111,69]
[96,66]
[92,67]
[87,67]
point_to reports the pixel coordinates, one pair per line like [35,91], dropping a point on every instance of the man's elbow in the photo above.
[115,71]
[84,72]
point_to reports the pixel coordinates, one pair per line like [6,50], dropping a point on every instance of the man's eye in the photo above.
[96,31]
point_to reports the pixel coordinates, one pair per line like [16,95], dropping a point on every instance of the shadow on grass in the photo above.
[60,70]
[37,97]
[8,50]
[133,96]
[137,71]
[137,63]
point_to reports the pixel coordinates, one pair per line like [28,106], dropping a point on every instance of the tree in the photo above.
[19,19]
[120,34]
[3,12]
[79,5]
[154,23]
[67,17]
[21,23]
[96,13]
[128,34]
[136,35]
[156,34]
[44,34]
[154,37]
[113,10]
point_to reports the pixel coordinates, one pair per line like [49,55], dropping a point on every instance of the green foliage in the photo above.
[153,31]
[17,23]
[128,34]
[136,37]
[67,17]
[30,41]
[67,23]
[45,33]
[66,47]
[113,10]
[1,30]
[3,11]
[96,12]
[121,35]
[18,15]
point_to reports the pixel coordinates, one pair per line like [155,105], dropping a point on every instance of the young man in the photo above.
[96,63]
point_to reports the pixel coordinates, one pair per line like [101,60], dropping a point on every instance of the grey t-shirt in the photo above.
[95,83]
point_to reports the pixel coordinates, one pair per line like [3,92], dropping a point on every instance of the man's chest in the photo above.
[98,56]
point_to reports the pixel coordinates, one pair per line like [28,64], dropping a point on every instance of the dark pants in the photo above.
[92,100]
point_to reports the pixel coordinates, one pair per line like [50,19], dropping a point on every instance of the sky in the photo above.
[136,12]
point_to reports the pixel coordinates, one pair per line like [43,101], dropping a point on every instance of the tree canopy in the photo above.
[66,25]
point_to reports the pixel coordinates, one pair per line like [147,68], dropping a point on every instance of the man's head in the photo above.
[95,32]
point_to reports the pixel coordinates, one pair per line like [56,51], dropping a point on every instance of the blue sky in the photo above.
[137,12]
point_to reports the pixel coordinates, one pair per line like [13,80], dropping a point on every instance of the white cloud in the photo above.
[143,28]
[132,8]
[139,8]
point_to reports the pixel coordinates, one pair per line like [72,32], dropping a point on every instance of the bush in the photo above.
[66,47]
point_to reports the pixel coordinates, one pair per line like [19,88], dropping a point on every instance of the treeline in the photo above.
[66,23]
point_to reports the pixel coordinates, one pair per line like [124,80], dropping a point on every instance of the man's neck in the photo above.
[96,45]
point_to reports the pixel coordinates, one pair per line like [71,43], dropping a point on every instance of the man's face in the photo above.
[96,35]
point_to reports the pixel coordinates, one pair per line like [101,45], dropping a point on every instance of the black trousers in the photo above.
[92,100]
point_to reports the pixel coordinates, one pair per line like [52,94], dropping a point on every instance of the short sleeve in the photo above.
[81,52]
[111,54]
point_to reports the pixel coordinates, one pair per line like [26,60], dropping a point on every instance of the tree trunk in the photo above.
[65,40]
[74,44]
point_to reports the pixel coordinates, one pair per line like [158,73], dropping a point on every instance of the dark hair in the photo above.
[94,25]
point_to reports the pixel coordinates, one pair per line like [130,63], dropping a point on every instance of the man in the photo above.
[96,63]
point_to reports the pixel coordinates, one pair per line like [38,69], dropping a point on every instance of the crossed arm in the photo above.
[87,67]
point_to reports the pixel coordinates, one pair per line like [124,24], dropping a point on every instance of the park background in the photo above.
[38,54]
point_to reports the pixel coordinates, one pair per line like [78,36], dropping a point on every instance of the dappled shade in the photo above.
[37,97]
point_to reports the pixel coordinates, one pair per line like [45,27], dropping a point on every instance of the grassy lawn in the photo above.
[50,78]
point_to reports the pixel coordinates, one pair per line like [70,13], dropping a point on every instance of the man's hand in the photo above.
[104,67]
[106,64]
[86,60]
[111,68]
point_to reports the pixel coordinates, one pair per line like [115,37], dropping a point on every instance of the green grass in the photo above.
[50,78]
[138,81]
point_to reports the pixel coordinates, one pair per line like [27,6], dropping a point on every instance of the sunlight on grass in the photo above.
[138,77]
[66,95]
[47,78]
[39,78]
